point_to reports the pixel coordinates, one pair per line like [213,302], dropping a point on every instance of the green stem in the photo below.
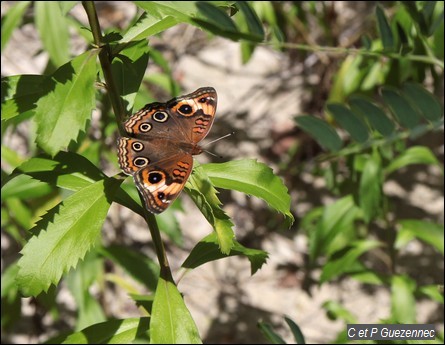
[105,58]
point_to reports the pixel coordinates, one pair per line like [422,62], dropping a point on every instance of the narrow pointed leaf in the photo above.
[253,22]
[148,25]
[414,155]
[428,232]
[207,250]
[400,107]
[128,70]
[296,331]
[403,302]
[63,113]
[375,115]
[324,134]
[53,30]
[370,190]
[12,20]
[349,121]
[204,195]
[171,322]
[253,178]
[384,29]
[70,230]
[336,267]
[270,334]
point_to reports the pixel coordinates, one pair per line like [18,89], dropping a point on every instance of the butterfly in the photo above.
[162,138]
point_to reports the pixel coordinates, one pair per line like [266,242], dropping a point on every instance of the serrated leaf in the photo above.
[375,115]
[414,155]
[403,302]
[139,266]
[428,232]
[63,113]
[20,94]
[324,134]
[253,178]
[205,197]
[71,229]
[171,322]
[12,20]
[207,250]
[428,105]
[53,30]
[349,121]
[335,267]
[370,189]
[401,108]
[384,29]
[108,332]
[128,71]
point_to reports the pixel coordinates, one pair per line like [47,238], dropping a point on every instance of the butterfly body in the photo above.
[162,138]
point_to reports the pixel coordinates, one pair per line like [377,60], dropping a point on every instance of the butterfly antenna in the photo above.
[218,139]
[213,154]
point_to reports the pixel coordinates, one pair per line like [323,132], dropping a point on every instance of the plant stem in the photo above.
[119,112]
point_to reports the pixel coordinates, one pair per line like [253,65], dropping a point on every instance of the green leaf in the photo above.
[66,170]
[20,94]
[253,178]
[53,30]
[253,22]
[148,25]
[403,302]
[384,29]
[296,331]
[375,115]
[428,232]
[139,266]
[428,105]
[434,292]
[414,155]
[25,188]
[216,16]
[336,311]
[205,197]
[401,108]
[12,20]
[370,190]
[349,121]
[270,334]
[63,113]
[171,322]
[337,266]
[79,282]
[207,250]
[325,135]
[333,230]
[71,229]
[108,332]
[128,70]
[66,6]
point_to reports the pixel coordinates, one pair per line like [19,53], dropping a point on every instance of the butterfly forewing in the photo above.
[163,137]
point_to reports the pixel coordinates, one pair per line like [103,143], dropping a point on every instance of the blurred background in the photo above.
[261,89]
